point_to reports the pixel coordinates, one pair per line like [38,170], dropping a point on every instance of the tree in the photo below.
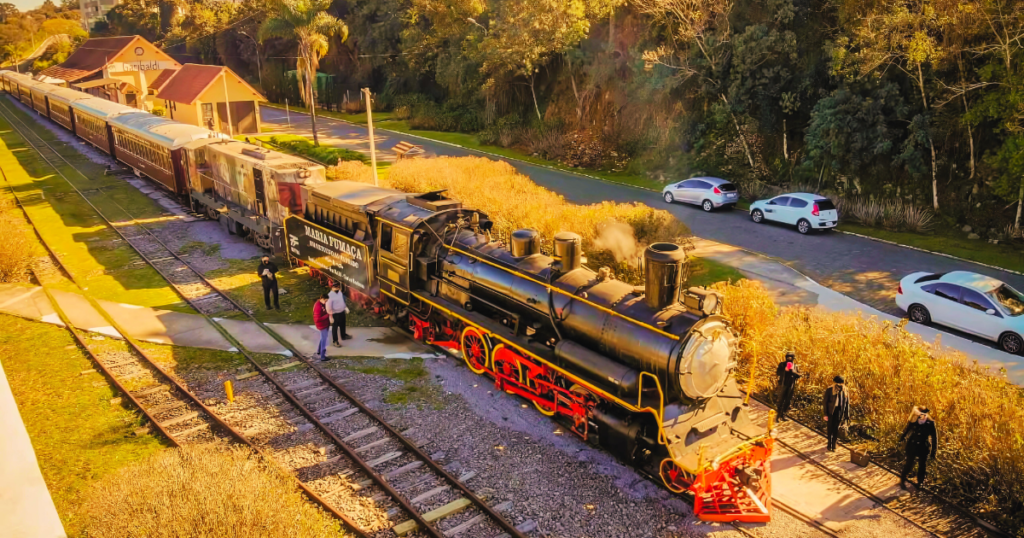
[308,23]
[524,34]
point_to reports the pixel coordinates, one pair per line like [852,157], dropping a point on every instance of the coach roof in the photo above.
[359,196]
[167,133]
[67,95]
[101,107]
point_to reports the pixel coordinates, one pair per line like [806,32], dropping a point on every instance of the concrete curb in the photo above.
[489,154]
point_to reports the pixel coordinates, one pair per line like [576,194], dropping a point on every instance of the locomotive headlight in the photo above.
[706,359]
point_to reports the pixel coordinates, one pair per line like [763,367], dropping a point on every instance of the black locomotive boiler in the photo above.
[645,372]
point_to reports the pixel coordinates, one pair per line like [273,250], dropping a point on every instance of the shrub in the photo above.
[16,250]
[325,155]
[513,201]
[980,415]
[202,492]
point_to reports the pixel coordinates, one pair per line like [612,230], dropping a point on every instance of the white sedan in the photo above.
[806,211]
[970,302]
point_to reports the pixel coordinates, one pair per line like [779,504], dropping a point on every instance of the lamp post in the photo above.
[259,70]
[373,146]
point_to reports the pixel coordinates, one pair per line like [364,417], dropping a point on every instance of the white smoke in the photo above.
[617,238]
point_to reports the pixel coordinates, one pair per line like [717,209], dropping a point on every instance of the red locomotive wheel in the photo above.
[673,477]
[475,350]
[545,403]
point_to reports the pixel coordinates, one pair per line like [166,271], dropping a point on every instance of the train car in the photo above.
[152,146]
[39,97]
[644,372]
[250,190]
[90,121]
[5,80]
[25,85]
[59,101]
[11,79]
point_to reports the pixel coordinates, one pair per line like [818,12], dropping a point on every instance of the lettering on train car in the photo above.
[342,258]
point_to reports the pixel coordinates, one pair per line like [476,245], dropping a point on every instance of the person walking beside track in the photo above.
[322,321]
[922,443]
[837,410]
[787,373]
[267,271]
[337,309]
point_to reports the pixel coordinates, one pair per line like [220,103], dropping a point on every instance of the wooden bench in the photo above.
[407,149]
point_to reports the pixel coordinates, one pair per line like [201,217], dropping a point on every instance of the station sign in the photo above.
[142,65]
[340,257]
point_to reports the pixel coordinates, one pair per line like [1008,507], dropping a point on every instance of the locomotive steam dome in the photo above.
[707,361]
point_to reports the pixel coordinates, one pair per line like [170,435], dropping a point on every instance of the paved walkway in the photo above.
[26,509]
[192,330]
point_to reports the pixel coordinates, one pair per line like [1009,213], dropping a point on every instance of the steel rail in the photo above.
[148,360]
[406,505]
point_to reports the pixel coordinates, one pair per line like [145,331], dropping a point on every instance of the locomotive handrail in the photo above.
[553,288]
[660,413]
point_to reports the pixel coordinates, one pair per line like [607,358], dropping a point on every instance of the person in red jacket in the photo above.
[322,320]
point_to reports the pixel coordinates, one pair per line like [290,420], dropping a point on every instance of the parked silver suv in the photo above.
[708,192]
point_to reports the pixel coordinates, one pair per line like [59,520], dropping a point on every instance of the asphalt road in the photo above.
[866,270]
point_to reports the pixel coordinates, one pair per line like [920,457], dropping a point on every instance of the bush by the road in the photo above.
[979,414]
[325,155]
[613,234]
[203,492]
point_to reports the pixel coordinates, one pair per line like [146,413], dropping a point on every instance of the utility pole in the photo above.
[373,147]
[227,103]
[259,70]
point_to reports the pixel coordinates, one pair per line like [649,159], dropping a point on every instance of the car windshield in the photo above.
[727,187]
[1010,299]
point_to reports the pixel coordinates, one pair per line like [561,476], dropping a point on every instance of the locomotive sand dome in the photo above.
[645,372]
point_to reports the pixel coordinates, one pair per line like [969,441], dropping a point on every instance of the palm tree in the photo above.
[307,22]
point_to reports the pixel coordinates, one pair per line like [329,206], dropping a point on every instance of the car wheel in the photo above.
[757,216]
[919,314]
[668,198]
[803,226]
[1011,343]
[707,205]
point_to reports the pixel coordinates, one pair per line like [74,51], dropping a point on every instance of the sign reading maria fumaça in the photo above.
[344,259]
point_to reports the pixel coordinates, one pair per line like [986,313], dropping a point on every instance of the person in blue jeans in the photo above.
[322,321]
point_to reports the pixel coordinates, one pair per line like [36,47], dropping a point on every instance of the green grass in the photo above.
[1001,255]
[416,389]
[705,271]
[193,358]
[78,436]
[325,155]
[92,252]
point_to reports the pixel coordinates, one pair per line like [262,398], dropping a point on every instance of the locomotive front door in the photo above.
[393,261]
[261,194]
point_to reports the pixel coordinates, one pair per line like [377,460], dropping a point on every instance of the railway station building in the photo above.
[120,69]
[211,96]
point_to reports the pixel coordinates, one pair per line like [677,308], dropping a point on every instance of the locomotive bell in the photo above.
[664,274]
[568,251]
[525,242]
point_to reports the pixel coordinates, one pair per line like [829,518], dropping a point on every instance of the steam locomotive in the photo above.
[644,372]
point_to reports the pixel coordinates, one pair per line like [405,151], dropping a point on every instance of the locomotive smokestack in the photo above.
[525,242]
[568,250]
[664,274]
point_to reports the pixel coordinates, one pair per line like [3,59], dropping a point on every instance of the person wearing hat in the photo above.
[787,374]
[267,271]
[837,410]
[922,442]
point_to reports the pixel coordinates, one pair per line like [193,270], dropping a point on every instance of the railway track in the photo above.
[375,463]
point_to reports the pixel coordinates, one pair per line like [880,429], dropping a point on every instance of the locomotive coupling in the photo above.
[750,477]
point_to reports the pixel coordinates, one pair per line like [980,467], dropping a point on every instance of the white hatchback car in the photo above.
[806,211]
[970,302]
[709,193]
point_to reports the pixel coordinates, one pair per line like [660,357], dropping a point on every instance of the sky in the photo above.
[25,5]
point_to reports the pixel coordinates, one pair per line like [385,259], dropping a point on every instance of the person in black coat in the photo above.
[787,374]
[267,272]
[837,410]
[922,443]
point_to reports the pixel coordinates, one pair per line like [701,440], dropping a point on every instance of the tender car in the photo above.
[806,211]
[969,302]
[709,193]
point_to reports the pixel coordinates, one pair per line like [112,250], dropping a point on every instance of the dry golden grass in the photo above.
[513,201]
[202,492]
[15,247]
[980,415]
